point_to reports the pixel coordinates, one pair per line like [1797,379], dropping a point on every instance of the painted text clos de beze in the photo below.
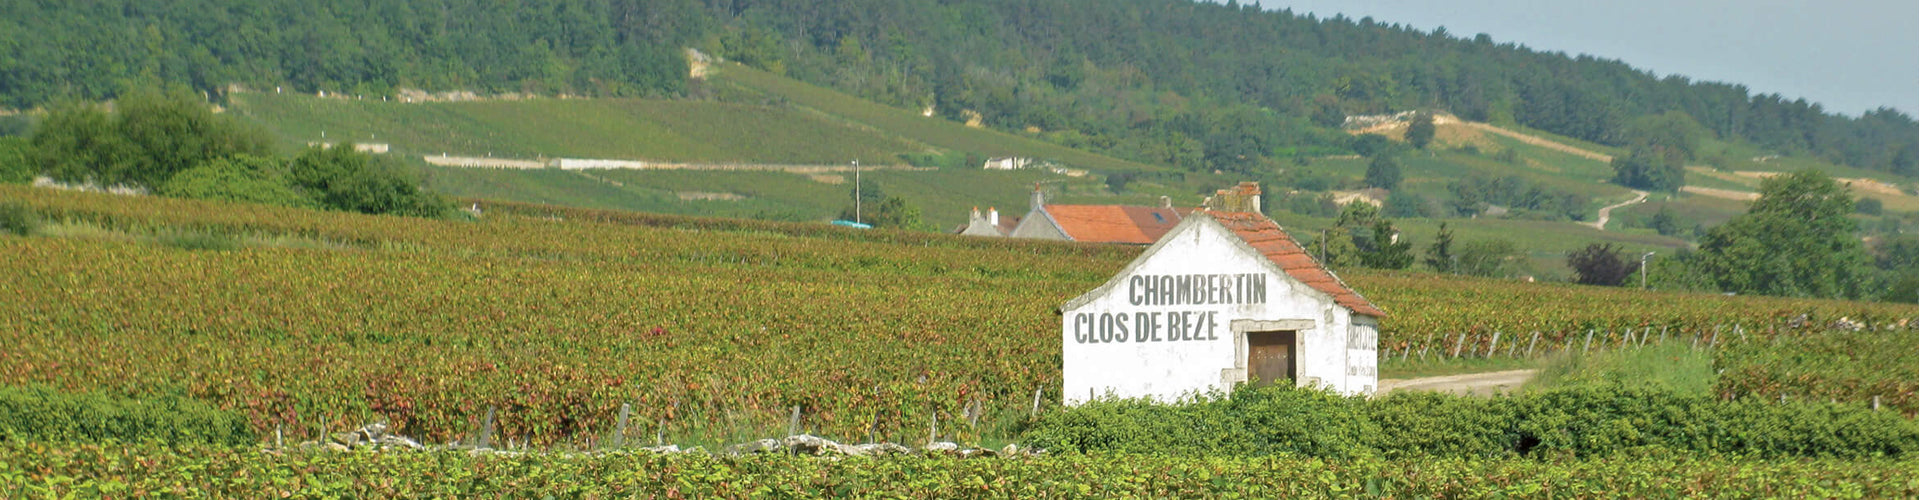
[1176,325]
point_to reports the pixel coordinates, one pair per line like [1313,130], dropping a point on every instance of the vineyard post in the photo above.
[1741,331]
[1407,351]
[620,426]
[1663,334]
[1036,404]
[1876,403]
[1715,340]
[1648,332]
[793,424]
[1584,348]
[1530,343]
[933,426]
[1626,337]
[279,442]
[1512,347]
[1495,345]
[485,439]
[973,414]
[1459,343]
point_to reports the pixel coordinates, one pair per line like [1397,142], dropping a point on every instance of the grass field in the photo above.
[631,129]
[908,125]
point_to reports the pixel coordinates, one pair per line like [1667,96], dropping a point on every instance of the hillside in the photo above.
[796,123]
[760,119]
[1198,85]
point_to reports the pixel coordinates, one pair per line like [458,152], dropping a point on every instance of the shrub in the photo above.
[343,179]
[244,178]
[40,413]
[1582,421]
[18,219]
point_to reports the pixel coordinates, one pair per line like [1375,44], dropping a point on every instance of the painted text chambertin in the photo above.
[1167,322]
[1225,298]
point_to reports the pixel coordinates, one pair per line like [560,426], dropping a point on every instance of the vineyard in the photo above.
[712,329]
[147,470]
[716,331]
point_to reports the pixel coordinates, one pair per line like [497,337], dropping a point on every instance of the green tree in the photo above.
[1405,204]
[1600,264]
[1388,252]
[150,136]
[16,164]
[1796,241]
[1440,253]
[77,143]
[1658,148]
[1371,145]
[1420,131]
[242,178]
[1649,170]
[1491,258]
[1336,248]
[343,179]
[174,130]
[1383,172]
[1664,222]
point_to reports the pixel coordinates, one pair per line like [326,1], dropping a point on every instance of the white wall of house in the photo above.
[1120,340]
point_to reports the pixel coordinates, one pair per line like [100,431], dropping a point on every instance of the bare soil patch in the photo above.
[1472,384]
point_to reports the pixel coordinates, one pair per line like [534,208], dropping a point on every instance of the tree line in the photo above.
[1211,86]
[171,143]
[1797,240]
[1193,84]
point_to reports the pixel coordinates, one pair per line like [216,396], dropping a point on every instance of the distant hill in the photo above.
[1197,85]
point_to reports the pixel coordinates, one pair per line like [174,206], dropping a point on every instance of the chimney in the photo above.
[1166,202]
[993,216]
[976,214]
[1038,198]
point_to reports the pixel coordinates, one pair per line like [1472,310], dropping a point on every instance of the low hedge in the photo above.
[41,413]
[1579,421]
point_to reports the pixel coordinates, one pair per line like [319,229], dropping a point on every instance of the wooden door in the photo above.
[1270,357]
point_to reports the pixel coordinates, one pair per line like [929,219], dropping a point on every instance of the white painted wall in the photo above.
[1168,370]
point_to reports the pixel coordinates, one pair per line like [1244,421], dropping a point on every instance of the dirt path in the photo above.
[1607,211]
[1539,141]
[595,164]
[1472,384]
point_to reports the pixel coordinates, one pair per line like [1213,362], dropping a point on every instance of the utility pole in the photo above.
[1323,248]
[1643,269]
[856,190]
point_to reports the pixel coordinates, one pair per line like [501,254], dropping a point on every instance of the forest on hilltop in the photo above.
[1192,84]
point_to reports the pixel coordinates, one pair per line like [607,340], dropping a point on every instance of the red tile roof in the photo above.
[1266,237]
[1115,223]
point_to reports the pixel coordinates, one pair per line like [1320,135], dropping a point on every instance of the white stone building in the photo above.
[1223,298]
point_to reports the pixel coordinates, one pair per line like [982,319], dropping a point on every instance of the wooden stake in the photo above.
[1530,343]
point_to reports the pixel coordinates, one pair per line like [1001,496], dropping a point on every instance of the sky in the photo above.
[1851,56]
